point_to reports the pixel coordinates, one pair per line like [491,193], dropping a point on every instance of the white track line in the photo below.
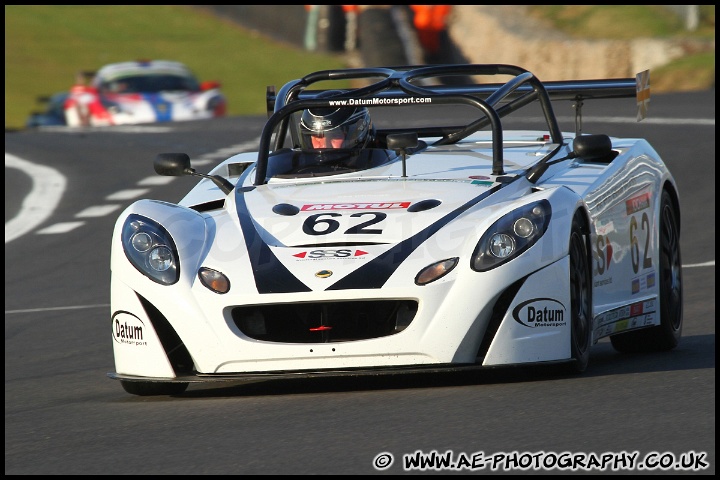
[47,190]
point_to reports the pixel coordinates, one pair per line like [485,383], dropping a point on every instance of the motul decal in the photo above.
[540,312]
[329,253]
[353,206]
[635,204]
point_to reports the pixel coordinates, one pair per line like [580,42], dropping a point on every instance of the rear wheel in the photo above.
[146,389]
[666,335]
[580,298]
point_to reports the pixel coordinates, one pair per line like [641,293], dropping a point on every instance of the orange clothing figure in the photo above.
[430,21]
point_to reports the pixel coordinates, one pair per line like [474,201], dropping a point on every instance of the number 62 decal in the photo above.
[634,243]
[317,225]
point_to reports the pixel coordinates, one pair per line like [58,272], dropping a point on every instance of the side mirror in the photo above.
[178,164]
[400,142]
[592,147]
[172,164]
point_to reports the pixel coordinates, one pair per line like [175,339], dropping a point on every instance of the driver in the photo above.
[332,127]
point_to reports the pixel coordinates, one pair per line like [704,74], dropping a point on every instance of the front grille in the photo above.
[325,321]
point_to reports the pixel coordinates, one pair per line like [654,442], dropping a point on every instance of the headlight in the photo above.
[511,235]
[150,249]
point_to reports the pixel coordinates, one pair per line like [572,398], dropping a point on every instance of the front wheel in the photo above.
[146,389]
[580,298]
[666,335]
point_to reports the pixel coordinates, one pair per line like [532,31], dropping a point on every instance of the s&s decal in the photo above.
[540,312]
[604,250]
[329,253]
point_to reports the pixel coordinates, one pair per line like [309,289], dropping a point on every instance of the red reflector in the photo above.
[320,328]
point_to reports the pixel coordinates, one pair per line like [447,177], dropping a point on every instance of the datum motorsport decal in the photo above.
[540,312]
[128,329]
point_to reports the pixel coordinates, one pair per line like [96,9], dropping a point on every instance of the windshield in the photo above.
[287,163]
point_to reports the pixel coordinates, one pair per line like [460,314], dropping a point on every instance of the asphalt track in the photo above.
[64,416]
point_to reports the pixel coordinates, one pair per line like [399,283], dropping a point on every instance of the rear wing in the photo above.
[581,90]
[419,80]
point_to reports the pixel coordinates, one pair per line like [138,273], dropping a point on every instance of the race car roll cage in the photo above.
[398,84]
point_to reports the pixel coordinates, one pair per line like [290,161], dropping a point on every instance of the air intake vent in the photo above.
[326,321]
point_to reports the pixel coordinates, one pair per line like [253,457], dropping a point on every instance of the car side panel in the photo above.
[623,204]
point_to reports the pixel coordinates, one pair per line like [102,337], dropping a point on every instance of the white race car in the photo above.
[437,240]
[147,91]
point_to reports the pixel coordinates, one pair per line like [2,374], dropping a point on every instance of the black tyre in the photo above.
[146,389]
[580,297]
[666,335]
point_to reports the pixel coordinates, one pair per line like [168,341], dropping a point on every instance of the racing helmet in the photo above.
[334,127]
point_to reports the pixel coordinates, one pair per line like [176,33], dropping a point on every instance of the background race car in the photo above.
[141,92]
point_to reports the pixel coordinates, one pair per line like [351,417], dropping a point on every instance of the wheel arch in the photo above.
[584,215]
[670,188]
